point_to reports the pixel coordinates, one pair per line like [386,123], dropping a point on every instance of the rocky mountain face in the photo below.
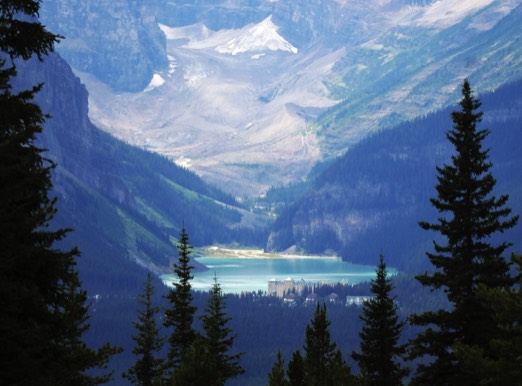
[158,76]
[215,14]
[118,41]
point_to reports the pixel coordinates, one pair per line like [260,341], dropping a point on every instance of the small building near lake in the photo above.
[312,298]
[333,298]
[357,300]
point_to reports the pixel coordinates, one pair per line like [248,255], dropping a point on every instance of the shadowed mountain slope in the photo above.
[126,205]
[371,199]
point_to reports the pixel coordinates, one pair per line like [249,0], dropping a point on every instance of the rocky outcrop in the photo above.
[118,41]
[216,15]
[69,137]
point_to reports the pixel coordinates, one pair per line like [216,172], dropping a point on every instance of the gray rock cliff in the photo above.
[118,41]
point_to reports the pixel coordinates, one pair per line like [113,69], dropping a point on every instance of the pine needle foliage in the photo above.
[219,340]
[296,370]
[323,362]
[276,377]
[148,369]
[501,362]
[44,308]
[180,315]
[380,351]
[466,258]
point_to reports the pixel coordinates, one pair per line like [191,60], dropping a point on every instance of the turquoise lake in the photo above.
[252,274]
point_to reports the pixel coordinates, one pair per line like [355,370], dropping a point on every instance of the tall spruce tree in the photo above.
[193,369]
[44,312]
[319,349]
[276,377]
[180,315]
[380,348]
[466,258]
[323,361]
[148,369]
[219,339]
[501,364]
[340,373]
[208,362]
[296,370]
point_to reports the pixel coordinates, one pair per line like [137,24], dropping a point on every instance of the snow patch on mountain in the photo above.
[488,20]
[255,38]
[194,75]
[259,37]
[445,13]
[156,81]
[194,32]
[173,64]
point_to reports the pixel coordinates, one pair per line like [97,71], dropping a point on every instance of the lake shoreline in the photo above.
[221,252]
[240,274]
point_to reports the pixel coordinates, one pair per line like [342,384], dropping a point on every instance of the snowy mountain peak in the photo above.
[259,37]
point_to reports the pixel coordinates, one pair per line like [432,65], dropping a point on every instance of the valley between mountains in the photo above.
[313,127]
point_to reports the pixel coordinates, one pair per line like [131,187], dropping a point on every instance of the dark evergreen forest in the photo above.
[262,324]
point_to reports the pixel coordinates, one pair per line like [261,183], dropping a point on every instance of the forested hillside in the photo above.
[371,199]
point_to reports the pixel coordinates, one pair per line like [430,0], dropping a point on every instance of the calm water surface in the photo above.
[244,274]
